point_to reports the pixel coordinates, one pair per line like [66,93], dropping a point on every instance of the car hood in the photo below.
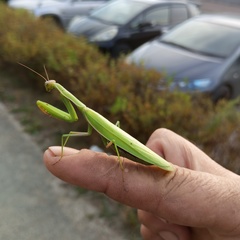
[174,61]
[87,27]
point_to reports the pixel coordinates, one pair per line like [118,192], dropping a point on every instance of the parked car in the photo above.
[123,25]
[29,5]
[202,54]
[60,11]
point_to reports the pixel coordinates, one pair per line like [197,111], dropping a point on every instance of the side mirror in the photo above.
[144,25]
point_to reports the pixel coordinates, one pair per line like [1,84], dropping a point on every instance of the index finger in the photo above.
[101,172]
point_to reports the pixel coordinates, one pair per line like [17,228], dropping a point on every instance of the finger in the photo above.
[182,197]
[183,153]
[162,227]
[97,171]
[152,222]
[79,167]
[147,234]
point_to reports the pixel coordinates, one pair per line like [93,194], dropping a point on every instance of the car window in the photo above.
[179,13]
[194,9]
[119,12]
[158,16]
[205,38]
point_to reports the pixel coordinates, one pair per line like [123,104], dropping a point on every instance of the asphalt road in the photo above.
[32,202]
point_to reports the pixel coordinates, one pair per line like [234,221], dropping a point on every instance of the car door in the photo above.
[232,77]
[149,25]
[155,21]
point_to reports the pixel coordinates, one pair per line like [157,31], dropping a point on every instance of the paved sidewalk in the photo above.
[31,204]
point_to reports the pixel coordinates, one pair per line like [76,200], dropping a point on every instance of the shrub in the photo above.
[113,88]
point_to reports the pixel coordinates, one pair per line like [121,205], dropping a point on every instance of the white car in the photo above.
[61,11]
[29,5]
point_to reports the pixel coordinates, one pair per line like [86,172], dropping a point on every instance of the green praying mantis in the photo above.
[112,132]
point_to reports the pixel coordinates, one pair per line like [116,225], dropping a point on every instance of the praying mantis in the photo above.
[112,132]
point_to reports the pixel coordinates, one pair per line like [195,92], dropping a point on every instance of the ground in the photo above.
[20,100]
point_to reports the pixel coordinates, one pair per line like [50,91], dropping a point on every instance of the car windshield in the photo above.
[119,12]
[205,38]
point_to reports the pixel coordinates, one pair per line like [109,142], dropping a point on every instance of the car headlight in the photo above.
[192,85]
[201,83]
[197,84]
[104,35]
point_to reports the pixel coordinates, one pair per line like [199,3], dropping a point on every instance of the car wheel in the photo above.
[223,92]
[119,49]
[53,20]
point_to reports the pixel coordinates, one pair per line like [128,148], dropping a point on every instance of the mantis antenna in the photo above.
[46,79]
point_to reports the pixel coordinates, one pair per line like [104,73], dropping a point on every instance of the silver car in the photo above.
[61,11]
[202,54]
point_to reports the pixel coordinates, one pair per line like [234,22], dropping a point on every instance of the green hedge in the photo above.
[113,88]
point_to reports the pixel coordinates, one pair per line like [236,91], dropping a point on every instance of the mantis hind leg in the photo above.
[108,144]
[119,159]
[116,147]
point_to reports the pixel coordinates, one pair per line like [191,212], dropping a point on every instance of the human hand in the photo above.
[199,200]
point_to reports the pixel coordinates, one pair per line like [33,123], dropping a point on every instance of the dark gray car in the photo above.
[202,54]
[122,25]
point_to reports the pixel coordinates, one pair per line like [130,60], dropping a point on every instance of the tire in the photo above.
[120,49]
[54,21]
[223,92]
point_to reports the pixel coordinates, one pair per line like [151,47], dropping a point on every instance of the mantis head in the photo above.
[49,84]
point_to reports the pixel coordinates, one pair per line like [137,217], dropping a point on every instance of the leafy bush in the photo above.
[116,90]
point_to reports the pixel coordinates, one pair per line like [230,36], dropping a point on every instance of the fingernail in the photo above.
[55,150]
[168,235]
